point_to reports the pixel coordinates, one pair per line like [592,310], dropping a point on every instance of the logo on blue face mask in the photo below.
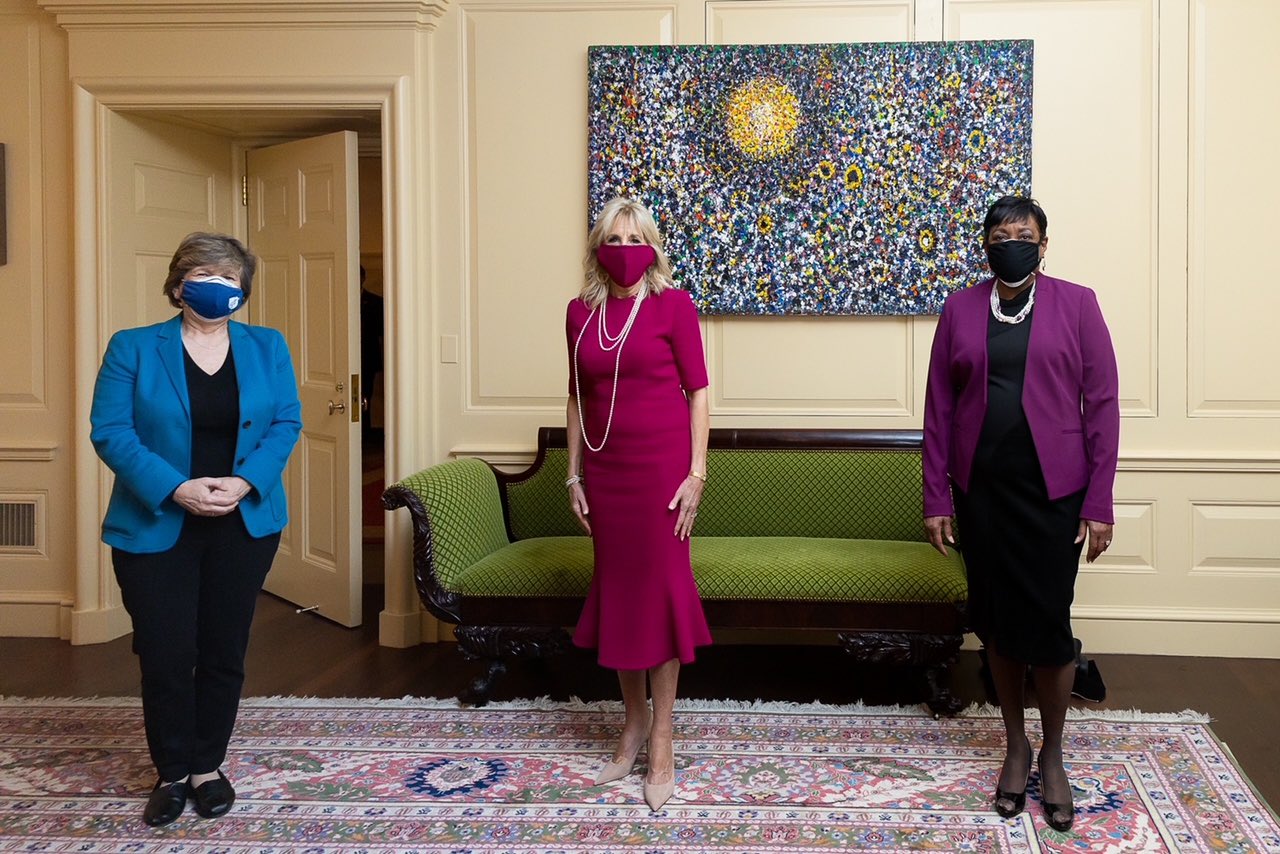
[213,297]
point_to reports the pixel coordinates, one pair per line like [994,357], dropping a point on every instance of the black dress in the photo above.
[1019,546]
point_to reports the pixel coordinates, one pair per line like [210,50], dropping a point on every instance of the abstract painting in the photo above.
[814,179]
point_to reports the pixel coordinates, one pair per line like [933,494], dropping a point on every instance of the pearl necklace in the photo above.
[1021,315]
[602,333]
[616,344]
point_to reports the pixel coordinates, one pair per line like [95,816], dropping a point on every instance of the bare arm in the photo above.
[573,437]
[689,495]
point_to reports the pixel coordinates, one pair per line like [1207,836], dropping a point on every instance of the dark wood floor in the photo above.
[304,655]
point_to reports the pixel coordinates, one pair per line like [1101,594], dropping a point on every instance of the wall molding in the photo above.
[498,455]
[34,452]
[1216,385]
[250,14]
[1200,464]
[26,383]
[1175,614]
[512,453]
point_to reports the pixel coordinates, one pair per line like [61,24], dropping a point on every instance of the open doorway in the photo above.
[373,361]
[229,134]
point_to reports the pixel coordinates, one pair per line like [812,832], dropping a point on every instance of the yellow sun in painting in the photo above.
[763,117]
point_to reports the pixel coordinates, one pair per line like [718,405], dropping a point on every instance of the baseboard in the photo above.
[99,626]
[405,630]
[35,615]
[1179,637]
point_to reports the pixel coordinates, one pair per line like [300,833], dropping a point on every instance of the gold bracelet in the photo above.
[699,475]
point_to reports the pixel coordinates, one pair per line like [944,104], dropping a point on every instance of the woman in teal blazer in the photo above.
[196,417]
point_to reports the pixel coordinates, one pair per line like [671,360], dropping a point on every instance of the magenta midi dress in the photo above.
[643,608]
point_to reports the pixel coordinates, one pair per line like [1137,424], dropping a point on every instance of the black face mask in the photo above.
[1013,260]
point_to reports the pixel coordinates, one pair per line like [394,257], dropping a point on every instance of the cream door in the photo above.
[303,224]
[164,182]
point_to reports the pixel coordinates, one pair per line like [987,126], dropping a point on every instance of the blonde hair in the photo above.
[656,279]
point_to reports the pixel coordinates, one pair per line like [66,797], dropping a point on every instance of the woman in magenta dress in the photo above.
[638,424]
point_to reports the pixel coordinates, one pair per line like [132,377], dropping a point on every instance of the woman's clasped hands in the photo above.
[211,496]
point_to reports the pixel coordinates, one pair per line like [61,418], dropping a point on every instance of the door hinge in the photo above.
[244,190]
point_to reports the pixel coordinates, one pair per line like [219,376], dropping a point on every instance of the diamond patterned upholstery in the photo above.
[786,524]
[808,569]
[538,504]
[856,494]
[461,497]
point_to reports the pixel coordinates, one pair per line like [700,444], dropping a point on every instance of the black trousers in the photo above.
[192,607]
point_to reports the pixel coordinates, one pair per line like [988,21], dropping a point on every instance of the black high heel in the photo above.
[1052,811]
[1018,799]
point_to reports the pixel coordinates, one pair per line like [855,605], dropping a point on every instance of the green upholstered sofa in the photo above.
[811,530]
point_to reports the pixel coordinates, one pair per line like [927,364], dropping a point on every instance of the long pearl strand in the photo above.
[616,344]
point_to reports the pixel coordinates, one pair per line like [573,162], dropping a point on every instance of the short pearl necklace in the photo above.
[1021,315]
[616,342]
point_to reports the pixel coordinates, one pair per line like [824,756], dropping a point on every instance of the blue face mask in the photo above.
[213,297]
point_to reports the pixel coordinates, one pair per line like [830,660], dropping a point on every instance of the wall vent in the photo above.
[17,525]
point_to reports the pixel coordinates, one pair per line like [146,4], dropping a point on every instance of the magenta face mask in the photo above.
[626,263]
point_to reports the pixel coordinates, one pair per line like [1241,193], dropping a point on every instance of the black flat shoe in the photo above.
[165,803]
[214,797]
[1018,799]
[1053,813]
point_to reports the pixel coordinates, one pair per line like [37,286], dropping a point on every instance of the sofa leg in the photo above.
[477,693]
[932,654]
[497,644]
[941,701]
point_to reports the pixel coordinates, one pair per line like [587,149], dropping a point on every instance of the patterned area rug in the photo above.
[427,775]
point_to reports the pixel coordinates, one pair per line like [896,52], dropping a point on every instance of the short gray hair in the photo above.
[206,249]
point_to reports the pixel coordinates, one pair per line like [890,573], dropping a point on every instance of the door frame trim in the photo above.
[98,614]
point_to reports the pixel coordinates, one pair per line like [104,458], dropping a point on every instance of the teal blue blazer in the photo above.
[141,428]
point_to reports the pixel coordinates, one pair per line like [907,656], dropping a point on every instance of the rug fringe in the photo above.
[1186,716]
[575,704]
[70,701]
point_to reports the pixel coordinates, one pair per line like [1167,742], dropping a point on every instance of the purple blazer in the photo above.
[1070,395]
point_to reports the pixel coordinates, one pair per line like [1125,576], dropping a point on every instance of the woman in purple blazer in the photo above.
[1021,432]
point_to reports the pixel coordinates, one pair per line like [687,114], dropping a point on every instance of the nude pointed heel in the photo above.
[657,794]
[617,770]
